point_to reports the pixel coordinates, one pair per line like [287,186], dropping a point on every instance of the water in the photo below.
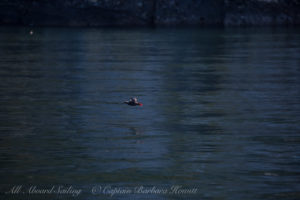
[221,112]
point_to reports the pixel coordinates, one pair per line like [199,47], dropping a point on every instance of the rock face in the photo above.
[149,12]
[189,12]
[262,12]
[76,12]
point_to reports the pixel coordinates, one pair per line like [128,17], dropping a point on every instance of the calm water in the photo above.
[221,112]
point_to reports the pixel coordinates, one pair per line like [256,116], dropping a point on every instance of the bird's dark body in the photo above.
[132,103]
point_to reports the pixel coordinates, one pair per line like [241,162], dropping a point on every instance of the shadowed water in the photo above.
[221,112]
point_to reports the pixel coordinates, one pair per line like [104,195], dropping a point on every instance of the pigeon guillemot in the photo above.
[133,102]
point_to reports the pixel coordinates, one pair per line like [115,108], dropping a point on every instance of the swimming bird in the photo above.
[133,102]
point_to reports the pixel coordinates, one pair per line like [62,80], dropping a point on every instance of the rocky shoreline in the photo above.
[97,13]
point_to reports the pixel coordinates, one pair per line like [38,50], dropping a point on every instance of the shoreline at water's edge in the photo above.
[150,13]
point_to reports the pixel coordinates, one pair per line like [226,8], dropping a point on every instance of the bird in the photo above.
[133,102]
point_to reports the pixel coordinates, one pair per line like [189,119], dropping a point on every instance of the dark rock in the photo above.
[189,12]
[76,12]
[262,12]
[149,12]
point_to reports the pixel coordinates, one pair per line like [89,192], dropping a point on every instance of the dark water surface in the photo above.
[221,112]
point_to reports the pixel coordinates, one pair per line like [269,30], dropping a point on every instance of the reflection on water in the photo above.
[221,111]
